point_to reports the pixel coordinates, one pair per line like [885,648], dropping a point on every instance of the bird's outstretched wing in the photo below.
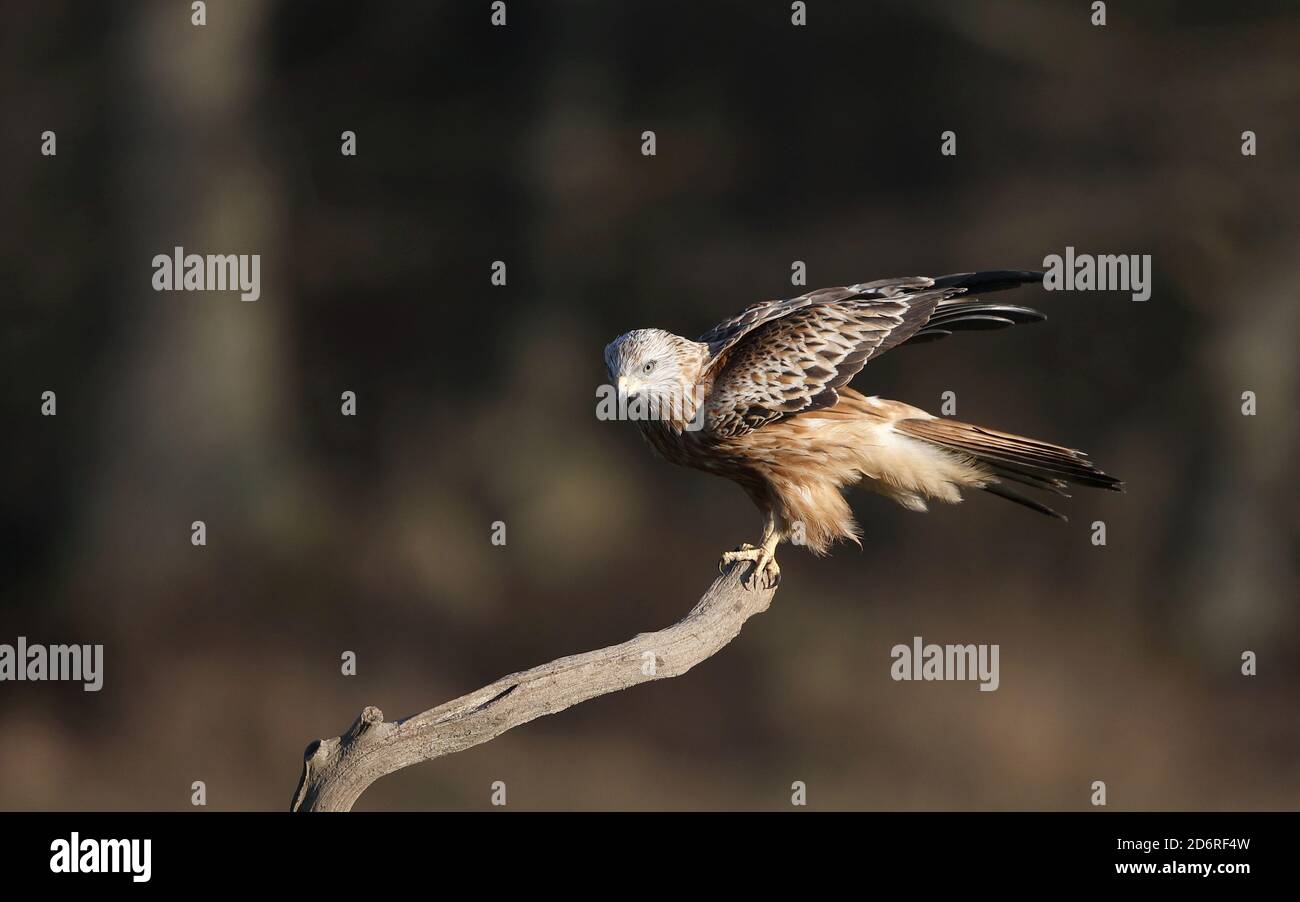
[726,333]
[779,358]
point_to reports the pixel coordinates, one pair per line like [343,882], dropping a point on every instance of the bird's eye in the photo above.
[649,367]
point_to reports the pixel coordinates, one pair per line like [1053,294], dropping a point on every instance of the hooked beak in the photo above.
[627,387]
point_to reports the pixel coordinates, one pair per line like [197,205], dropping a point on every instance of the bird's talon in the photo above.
[763,575]
[737,554]
[764,572]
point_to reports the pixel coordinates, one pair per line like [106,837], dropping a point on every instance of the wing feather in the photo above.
[782,357]
[794,363]
[726,333]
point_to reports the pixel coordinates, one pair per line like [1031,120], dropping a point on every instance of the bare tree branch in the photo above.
[336,771]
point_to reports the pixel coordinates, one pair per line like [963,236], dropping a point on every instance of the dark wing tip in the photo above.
[989,280]
[980,322]
[974,316]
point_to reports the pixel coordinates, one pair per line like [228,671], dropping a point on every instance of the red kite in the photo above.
[762,399]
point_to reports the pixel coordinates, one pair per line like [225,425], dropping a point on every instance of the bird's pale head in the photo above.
[656,367]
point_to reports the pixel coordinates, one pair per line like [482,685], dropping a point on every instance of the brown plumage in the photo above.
[762,399]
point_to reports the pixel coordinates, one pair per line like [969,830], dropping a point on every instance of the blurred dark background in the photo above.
[476,403]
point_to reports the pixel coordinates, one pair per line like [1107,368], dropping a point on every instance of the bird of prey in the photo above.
[763,399]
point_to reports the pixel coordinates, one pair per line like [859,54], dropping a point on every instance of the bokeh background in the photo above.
[477,403]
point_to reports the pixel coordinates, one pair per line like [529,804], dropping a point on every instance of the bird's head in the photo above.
[655,367]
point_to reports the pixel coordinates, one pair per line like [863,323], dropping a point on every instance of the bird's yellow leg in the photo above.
[764,574]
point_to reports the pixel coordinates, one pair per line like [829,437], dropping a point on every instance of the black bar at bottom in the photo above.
[644,853]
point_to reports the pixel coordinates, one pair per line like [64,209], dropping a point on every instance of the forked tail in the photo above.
[1013,458]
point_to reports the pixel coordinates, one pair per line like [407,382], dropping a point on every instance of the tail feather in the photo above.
[1013,458]
[1055,486]
[995,488]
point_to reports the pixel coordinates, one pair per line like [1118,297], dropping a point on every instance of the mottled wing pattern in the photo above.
[794,362]
[725,334]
